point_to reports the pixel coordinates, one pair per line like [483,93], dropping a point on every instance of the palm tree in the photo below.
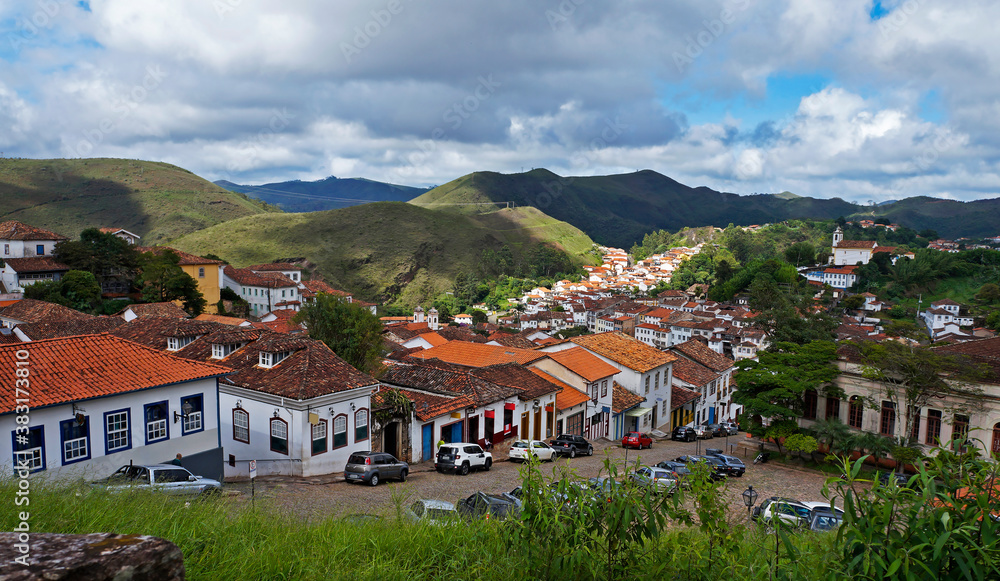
[831,432]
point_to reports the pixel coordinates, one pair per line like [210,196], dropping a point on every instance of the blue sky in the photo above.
[849,98]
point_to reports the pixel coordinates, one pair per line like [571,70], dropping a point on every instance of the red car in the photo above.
[637,440]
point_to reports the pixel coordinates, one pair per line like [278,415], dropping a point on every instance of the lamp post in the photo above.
[749,499]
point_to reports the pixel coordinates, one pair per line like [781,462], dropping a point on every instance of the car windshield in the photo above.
[520,445]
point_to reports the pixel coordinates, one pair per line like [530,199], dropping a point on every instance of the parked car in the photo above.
[521,450]
[165,478]
[604,487]
[787,510]
[431,511]
[735,466]
[716,471]
[822,506]
[717,430]
[678,469]
[702,432]
[901,480]
[374,467]
[571,445]
[824,521]
[484,505]
[662,479]
[731,427]
[684,434]
[461,457]
[637,440]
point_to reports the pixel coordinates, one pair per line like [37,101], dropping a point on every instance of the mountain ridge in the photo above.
[329,193]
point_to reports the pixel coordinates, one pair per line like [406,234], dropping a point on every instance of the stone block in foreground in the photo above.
[96,557]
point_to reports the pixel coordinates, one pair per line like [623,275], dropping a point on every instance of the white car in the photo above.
[521,450]
[165,478]
[432,512]
[460,457]
[822,506]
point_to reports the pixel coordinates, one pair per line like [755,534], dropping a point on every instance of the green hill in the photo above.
[619,209]
[386,251]
[157,201]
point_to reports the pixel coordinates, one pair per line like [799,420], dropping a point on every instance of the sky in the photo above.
[866,101]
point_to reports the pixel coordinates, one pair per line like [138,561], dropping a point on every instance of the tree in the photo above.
[911,377]
[989,293]
[773,387]
[801,444]
[350,330]
[163,280]
[831,432]
[479,317]
[78,289]
[800,254]
[105,255]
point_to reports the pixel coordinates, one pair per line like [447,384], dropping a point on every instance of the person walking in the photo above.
[177,460]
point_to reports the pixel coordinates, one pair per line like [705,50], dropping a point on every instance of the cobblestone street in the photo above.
[320,498]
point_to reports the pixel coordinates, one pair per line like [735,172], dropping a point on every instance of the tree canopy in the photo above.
[349,329]
[163,280]
[773,387]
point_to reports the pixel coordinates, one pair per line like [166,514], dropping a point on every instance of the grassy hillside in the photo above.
[385,251]
[156,200]
[620,209]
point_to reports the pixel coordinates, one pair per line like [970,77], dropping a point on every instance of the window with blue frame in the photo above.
[156,421]
[40,250]
[117,431]
[29,449]
[75,438]
[191,407]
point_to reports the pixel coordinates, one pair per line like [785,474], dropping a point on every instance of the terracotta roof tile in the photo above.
[680,396]
[518,340]
[247,277]
[584,363]
[856,244]
[624,350]
[33,311]
[447,381]
[428,406]
[165,309]
[703,354]
[694,373]
[83,367]
[478,354]
[235,321]
[68,328]
[622,399]
[275,266]
[568,397]
[461,334]
[35,264]
[518,377]
[315,287]
[154,331]
[14,230]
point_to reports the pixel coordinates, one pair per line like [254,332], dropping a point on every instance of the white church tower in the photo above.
[418,314]
[838,235]
[432,319]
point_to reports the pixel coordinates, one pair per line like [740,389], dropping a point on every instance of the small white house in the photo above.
[18,240]
[139,405]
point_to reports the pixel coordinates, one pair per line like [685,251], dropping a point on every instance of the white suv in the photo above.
[522,450]
[460,457]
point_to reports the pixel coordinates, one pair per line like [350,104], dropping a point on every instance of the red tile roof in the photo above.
[447,380]
[235,321]
[247,277]
[478,354]
[856,244]
[568,397]
[33,311]
[64,370]
[622,399]
[275,266]
[694,373]
[681,395]
[315,287]
[14,230]
[35,264]
[624,350]
[703,354]
[68,328]
[584,363]
[518,340]
[165,309]
[518,377]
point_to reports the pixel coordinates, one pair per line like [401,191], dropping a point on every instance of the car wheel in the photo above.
[464,470]
[373,480]
[488,464]
[402,476]
[590,450]
[572,452]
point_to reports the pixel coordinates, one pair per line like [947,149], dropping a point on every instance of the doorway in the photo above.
[390,439]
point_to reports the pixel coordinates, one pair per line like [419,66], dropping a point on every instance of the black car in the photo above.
[571,445]
[684,434]
[718,470]
[901,480]
[483,505]
[679,469]
[718,430]
[735,466]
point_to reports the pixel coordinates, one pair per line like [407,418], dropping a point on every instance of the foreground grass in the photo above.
[223,538]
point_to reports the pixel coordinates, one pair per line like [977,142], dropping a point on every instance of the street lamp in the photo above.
[749,498]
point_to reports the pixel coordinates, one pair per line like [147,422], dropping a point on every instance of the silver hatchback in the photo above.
[373,467]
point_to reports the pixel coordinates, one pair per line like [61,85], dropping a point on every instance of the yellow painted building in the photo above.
[207,272]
